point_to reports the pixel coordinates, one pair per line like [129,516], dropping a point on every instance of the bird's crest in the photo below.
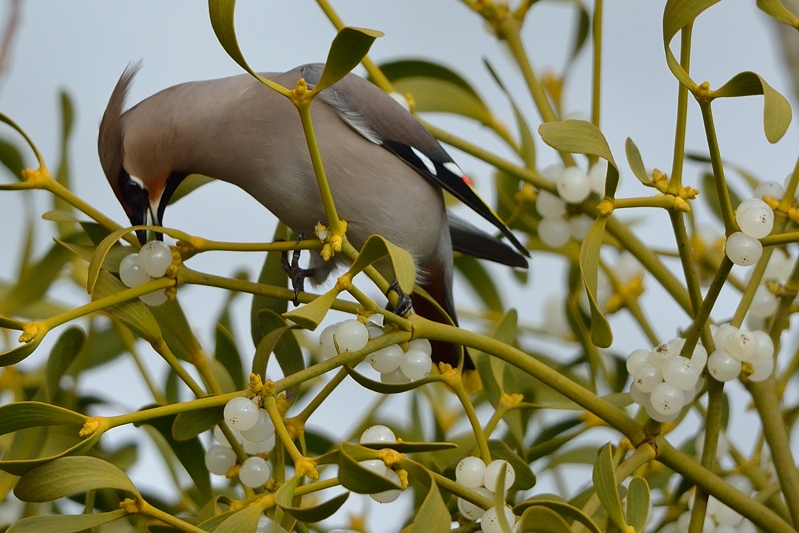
[109,142]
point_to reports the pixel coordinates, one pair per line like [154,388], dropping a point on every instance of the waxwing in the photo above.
[385,170]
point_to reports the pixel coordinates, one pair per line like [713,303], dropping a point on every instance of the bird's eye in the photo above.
[134,194]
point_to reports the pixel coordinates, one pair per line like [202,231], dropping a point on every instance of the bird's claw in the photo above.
[404,303]
[296,274]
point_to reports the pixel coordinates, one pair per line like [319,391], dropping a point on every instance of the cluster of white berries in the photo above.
[374,435]
[736,346]
[394,365]
[664,382]
[719,517]
[151,262]
[574,185]
[756,219]
[474,474]
[254,430]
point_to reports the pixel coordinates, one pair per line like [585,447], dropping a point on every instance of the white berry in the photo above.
[470,510]
[636,359]
[351,336]
[647,377]
[680,372]
[723,366]
[219,459]
[573,185]
[241,413]
[262,430]
[155,257]
[755,218]
[386,359]
[255,471]
[378,434]
[376,466]
[489,523]
[470,472]
[388,496]
[258,447]
[554,232]
[416,365]
[423,345]
[667,399]
[549,205]
[131,274]
[492,471]
[743,249]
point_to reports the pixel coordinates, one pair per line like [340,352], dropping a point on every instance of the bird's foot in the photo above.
[404,303]
[296,274]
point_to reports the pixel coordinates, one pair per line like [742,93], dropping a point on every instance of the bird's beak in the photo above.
[148,215]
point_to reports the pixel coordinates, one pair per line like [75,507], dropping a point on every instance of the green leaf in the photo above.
[11,158]
[383,388]
[310,315]
[349,47]
[637,163]
[355,477]
[776,109]
[286,348]
[525,478]
[272,273]
[576,136]
[189,424]
[601,334]
[676,15]
[776,10]
[560,508]
[432,514]
[638,503]
[102,250]
[540,519]
[176,330]
[15,355]
[66,349]
[133,313]
[190,453]
[189,184]
[606,486]
[71,475]
[22,415]
[226,355]
[62,174]
[413,447]
[35,281]
[712,199]
[436,89]
[243,521]
[265,349]
[376,248]
[65,523]
[582,137]
[316,513]
[481,282]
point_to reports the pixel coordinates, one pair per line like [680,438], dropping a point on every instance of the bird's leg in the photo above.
[296,274]
[404,303]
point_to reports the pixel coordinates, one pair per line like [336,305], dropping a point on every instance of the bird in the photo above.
[385,170]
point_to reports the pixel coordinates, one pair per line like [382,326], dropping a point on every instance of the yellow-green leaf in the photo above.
[349,47]
[601,334]
[437,89]
[272,273]
[606,486]
[576,136]
[676,15]
[316,513]
[99,257]
[638,503]
[376,248]
[776,109]
[310,315]
[540,519]
[357,478]
[637,163]
[245,520]
[65,523]
[134,313]
[66,349]
[560,508]
[71,475]
[22,415]
[189,424]
[776,9]
[432,515]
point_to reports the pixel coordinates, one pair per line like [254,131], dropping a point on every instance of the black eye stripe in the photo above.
[133,194]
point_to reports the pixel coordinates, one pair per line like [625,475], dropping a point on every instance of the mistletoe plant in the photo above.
[267,461]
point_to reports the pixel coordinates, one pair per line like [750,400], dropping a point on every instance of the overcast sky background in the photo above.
[83,46]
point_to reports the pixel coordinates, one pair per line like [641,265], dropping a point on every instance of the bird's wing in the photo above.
[473,241]
[377,117]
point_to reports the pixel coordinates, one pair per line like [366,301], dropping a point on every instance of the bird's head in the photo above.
[142,183]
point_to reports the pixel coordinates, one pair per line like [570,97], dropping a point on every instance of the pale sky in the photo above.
[83,46]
